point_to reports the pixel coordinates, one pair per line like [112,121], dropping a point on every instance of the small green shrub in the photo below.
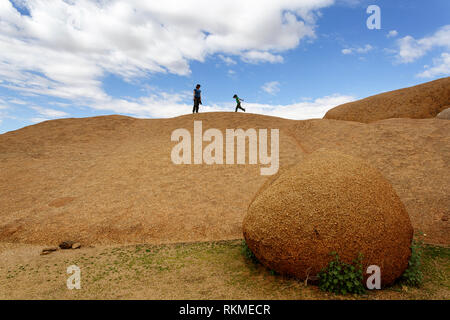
[413,275]
[248,254]
[342,278]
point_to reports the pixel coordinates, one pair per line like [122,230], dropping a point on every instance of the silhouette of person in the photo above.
[238,103]
[197,98]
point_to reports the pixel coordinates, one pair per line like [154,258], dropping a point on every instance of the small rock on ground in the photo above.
[66,244]
[48,250]
[76,245]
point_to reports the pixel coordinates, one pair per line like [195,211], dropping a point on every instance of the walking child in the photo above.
[238,103]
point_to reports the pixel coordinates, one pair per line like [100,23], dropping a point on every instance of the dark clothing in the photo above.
[197,102]
[197,99]
[238,106]
[238,103]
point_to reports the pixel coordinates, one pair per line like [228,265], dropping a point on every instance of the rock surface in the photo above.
[418,102]
[76,245]
[329,202]
[445,114]
[48,250]
[110,179]
[66,244]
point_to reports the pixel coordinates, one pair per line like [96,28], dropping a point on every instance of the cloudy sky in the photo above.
[289,58]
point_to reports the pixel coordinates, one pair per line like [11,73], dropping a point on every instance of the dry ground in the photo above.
[110,180]
[212,270]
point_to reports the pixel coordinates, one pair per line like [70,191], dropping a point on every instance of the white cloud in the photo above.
[259,56]
[365,49]
[360,50]
[38,119]
[346,51]
[392,34]
[3,104]
[272,87]
[302,110]
[441,67]
[410,49]
[65,48]
[3,115]
[351,3]
[228,61]
[17,101]
[50,113]
[156,105]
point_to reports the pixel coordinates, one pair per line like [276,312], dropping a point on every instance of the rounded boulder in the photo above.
[329,202]
[445,114]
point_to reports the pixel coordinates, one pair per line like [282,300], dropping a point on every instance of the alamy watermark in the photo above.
[213,152]
[374,281]
[374,20]
[74,281]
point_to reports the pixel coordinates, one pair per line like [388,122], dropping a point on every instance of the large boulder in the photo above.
[445,114]
[422,101]
[329,202]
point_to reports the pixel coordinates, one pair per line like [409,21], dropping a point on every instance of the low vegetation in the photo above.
[248,254]
[342,278]
[209,270]
[413,275]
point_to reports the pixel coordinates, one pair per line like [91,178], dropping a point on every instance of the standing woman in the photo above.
[197,98]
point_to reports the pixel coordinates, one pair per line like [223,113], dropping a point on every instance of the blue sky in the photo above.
[295,59]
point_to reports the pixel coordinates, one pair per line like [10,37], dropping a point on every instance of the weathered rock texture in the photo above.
[445,114]
[418,102]
[329,202]
[110,179]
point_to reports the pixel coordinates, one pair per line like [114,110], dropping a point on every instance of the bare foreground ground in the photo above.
[204,270]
